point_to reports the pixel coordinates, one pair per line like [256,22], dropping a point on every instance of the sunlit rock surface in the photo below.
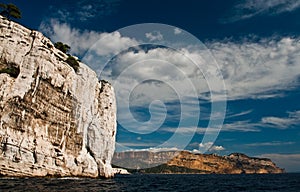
[235,163]
[187,162]
[53,121]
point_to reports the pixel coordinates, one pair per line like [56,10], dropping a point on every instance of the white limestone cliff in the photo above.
[53,121]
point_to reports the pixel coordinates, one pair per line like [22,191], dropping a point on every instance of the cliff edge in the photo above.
[236,163]
[183,162]
[53,121]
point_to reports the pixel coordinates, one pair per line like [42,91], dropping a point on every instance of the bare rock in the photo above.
[187,162]
[53,121]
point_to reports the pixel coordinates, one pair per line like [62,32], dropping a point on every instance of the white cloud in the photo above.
[291,162]
[154,36]
[156,150]
[250,70]
[83,10]
[81,41]
[126,145]
[273,143]
[203,147]
[217,148]
[86,12]
[282,122]
[241,126]
[237,126]
[177,31]
[232,115]
[258,69]
[184,130]
[250,8]
[245,126]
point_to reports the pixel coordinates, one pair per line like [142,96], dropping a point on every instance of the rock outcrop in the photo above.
[142,159]
[187,162]
[235,163]
[53,121]
[121,171]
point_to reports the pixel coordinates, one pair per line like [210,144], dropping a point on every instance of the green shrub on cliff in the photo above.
[12,71]
[63,47]
[10,11]
[73,63]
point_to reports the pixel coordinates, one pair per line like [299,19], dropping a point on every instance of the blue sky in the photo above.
[230,68]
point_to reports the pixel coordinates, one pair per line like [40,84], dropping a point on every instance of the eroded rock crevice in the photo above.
[50,115]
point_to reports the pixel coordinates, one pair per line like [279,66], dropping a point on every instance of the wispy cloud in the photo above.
[273,143]
[155,150]
[282,122]
[241,126]
[250,69]
[291,120]
[237,126]
[83,10]
[250,8]
[230,115]
[184,130]
[258,69]
[245,126]
[131,145]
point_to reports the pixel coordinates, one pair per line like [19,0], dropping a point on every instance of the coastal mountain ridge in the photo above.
[168,162]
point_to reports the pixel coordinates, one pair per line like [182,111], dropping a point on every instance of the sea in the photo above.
[159,182]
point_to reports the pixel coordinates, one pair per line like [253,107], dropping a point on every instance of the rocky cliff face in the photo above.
[187,162]
[53,121]
[142,159]
[235,163]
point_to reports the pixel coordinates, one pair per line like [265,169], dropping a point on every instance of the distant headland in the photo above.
[185,162]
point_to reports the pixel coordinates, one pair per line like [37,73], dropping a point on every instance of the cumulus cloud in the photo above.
[81,41]
[250,8]
[217,148]
[291,162]
[203,147]
[154,36]
[250,69]
[177,31]
[283,122]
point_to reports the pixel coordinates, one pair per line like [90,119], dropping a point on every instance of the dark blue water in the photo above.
[224,183]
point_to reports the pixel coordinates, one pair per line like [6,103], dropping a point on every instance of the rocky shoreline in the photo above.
[185,162]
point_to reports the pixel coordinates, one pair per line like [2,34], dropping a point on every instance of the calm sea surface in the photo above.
[280,182]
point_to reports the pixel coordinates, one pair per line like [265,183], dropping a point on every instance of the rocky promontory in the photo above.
[54,120]
[186,162]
